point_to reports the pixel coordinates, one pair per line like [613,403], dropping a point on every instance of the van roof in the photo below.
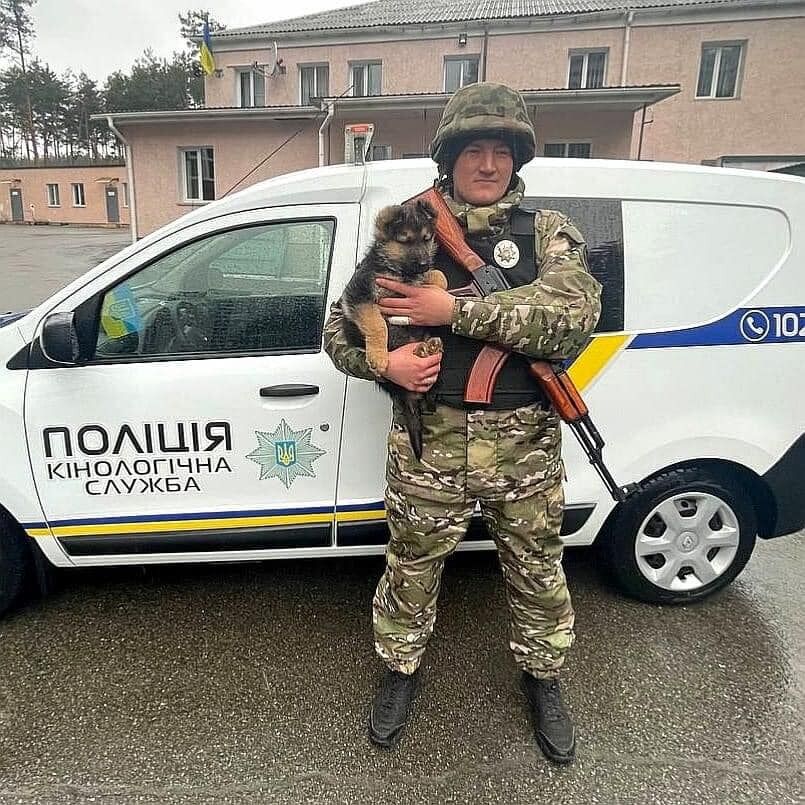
[344,184]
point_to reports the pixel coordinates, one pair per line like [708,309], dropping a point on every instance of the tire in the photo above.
[656,556]
[14,563]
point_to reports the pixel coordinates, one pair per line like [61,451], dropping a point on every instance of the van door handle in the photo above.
[289,390]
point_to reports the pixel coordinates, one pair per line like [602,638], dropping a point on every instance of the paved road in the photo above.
[247,683]
[35,261]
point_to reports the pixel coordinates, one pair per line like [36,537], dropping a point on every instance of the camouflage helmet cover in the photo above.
[483,109]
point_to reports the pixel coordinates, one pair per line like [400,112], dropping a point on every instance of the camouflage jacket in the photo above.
[549,318]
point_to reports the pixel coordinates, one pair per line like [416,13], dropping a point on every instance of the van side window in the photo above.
[257,289]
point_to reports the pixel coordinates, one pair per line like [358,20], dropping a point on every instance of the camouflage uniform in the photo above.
[507,460]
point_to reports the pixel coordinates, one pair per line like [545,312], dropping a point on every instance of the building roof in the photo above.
[214,112]
[415,12]
[630,97]
[615,98]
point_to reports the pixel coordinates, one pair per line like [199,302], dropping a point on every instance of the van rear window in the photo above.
[600,222]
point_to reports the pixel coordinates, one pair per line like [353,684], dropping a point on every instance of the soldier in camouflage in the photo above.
[506,455]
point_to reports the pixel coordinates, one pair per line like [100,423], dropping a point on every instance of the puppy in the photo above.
[403,250]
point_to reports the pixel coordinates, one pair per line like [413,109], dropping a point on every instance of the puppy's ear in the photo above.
[385,221]
[426,208]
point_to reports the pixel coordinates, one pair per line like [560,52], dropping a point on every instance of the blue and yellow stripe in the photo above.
[740,327]
[598,353]
[207,521]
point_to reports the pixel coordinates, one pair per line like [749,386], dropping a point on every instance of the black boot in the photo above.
[391,707]
[553,728]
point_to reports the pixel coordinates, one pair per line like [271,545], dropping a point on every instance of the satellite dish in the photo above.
[273,64]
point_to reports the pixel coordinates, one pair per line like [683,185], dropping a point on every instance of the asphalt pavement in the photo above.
[36,261]
[251,682]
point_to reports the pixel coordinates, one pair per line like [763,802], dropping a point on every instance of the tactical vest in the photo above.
[515,385]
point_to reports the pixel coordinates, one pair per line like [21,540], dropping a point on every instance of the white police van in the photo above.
[174,404]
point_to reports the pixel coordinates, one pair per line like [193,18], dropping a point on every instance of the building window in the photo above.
[718,70]
[587,69]
[315,82]
[572,150]
[198,174]
[125,194]
[460,72]
[251,88]
[53,195]
[377,152]
[365,78]
[78,195]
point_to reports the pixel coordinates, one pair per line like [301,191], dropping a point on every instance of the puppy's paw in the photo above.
[378,360]
[424,349]
[435,277]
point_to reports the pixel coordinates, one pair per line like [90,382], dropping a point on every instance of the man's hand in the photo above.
[410,371]
[423,305]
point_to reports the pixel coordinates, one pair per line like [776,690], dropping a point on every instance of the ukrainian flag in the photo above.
[205,51]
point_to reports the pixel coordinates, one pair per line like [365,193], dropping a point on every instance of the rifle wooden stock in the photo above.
[566,402]
[573,395]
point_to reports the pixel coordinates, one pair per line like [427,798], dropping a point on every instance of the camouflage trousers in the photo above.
[510,463]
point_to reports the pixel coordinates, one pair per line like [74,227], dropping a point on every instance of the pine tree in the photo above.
[16,32]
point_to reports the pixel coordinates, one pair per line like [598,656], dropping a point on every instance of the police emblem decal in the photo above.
[506,254]
[285,454]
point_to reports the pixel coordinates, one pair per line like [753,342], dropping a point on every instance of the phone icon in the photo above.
[755,325]
[756,329]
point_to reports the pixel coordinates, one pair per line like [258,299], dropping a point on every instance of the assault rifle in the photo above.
[555,381]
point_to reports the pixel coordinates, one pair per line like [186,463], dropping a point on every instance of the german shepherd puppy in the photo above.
[403,250]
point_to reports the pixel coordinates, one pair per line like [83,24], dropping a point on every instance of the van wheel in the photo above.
[14,563]
[684,535]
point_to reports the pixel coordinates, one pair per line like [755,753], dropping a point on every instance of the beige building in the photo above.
[713,81]
[96,195]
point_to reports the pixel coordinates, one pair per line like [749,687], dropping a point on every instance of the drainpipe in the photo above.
[323,128]
[642,128]
[627,35]
[485,50]
[130,176]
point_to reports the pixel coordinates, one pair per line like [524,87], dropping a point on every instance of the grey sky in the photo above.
[101,36]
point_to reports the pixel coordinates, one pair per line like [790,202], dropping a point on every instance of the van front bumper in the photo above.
[786,480]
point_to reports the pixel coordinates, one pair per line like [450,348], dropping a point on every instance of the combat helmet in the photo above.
[483,109]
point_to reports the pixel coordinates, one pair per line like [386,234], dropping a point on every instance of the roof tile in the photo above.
[415,12]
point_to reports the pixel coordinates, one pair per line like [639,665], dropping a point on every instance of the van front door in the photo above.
[207,420]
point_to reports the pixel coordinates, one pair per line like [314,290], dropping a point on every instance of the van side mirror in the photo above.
[59,338]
